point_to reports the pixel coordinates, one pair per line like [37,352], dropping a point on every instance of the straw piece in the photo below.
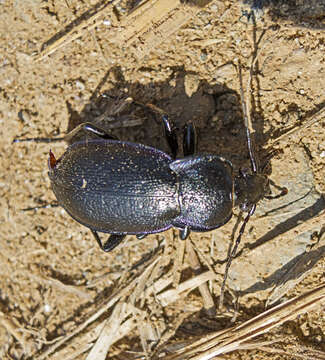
[233,338]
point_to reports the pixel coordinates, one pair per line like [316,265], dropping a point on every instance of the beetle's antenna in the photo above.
[247,121]
[232,253]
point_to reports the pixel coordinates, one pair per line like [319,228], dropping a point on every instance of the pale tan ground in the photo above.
[53,275]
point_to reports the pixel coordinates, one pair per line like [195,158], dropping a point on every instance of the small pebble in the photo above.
[24,116]
[80,85]
[107,22]
[47,308]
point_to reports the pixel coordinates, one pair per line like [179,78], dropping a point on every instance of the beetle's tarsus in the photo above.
[169,128]
[111,243]
[184,233]
[141,236]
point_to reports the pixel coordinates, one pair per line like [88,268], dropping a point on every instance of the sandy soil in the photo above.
[53,275]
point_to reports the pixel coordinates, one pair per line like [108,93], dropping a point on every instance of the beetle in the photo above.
[122,188]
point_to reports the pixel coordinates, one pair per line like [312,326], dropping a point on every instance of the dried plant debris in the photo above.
[144,26]
[126,320]
[235,338]
[61,298]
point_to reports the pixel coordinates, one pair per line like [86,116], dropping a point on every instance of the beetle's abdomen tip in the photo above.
[52,161]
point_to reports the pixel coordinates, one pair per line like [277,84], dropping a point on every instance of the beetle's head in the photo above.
[250,189]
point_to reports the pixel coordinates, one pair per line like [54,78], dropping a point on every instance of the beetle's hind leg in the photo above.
[89,128]
[189,139]
[111,243]
[169,128]
[170,134]
[184,233]
[85,127]
[189,148]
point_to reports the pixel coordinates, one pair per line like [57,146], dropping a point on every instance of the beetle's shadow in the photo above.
[215,110]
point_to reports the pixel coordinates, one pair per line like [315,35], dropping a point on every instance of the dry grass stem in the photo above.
[107,335]
[85,25]
[232,339]
[170,296]
[75,290]
[307,354]
[178,261]
[116,327]
[147,25]
[203,288]
[142,282]
[112,301]
[303,266]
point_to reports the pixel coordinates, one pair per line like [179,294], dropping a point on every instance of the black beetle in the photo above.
[123,188]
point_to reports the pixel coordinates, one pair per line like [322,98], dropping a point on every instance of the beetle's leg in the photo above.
[189,140]
[88,127]
[141,236]
[232,253]
[170,135]
[184,233]
[111,242]
[169,128]
[45,206]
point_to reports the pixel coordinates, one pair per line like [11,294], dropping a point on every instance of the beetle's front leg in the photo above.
[111,243]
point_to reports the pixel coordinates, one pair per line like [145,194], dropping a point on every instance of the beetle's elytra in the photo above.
[124,188]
